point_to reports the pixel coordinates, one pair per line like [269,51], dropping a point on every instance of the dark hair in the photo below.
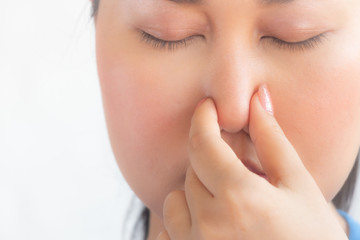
[343,198]
[95,7]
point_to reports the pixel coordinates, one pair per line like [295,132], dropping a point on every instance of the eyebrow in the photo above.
[261,2]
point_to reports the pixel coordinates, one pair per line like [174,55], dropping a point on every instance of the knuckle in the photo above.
[210,228]
[236,182]
[206,231]
[204,218]
[244,200]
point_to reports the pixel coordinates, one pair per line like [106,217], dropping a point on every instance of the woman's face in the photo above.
[225,50]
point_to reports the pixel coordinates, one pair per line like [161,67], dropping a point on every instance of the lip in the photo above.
[245,151]
[251,167]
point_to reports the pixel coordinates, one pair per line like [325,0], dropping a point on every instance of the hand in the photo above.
[224,200]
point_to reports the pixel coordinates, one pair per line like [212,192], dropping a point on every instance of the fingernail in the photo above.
[265,99]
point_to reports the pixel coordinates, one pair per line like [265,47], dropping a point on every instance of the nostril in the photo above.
[235,130]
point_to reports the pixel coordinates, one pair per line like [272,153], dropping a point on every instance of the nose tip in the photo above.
[233,112]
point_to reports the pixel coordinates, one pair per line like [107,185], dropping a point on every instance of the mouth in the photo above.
[252,168]
[245,151]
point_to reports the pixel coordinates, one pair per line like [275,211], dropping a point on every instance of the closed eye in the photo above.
[281,44]
[169,45]
[296,46]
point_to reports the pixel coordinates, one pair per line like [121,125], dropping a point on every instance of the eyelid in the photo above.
[179,39]
[170,34]
[293,39]
[309,43]
[158,43]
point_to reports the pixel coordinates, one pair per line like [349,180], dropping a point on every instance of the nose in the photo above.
[231,82]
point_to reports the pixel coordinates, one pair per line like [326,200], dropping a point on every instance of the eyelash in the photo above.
[170,45]
[292,46]
[310,43]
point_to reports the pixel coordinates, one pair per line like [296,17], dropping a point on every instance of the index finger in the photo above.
[277,155]
[212,159]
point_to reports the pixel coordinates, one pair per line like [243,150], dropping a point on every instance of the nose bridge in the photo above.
[234,75]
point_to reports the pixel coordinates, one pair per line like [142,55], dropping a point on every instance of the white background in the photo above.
[58,177]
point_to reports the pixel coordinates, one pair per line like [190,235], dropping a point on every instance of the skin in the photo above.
[150,97]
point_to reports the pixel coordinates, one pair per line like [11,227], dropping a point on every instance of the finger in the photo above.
[277,156]
[212,159]
[163,236]
[176,215]
[198,198]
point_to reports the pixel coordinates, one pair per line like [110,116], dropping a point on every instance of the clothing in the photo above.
[134,227]
[354,227]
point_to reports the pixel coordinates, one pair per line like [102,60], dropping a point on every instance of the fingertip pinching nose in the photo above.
[265,98]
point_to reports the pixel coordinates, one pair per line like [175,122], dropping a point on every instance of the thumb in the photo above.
[277,156]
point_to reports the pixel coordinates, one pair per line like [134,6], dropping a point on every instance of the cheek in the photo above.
[138,118]
[149,99]
[148,113]
[321,118]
